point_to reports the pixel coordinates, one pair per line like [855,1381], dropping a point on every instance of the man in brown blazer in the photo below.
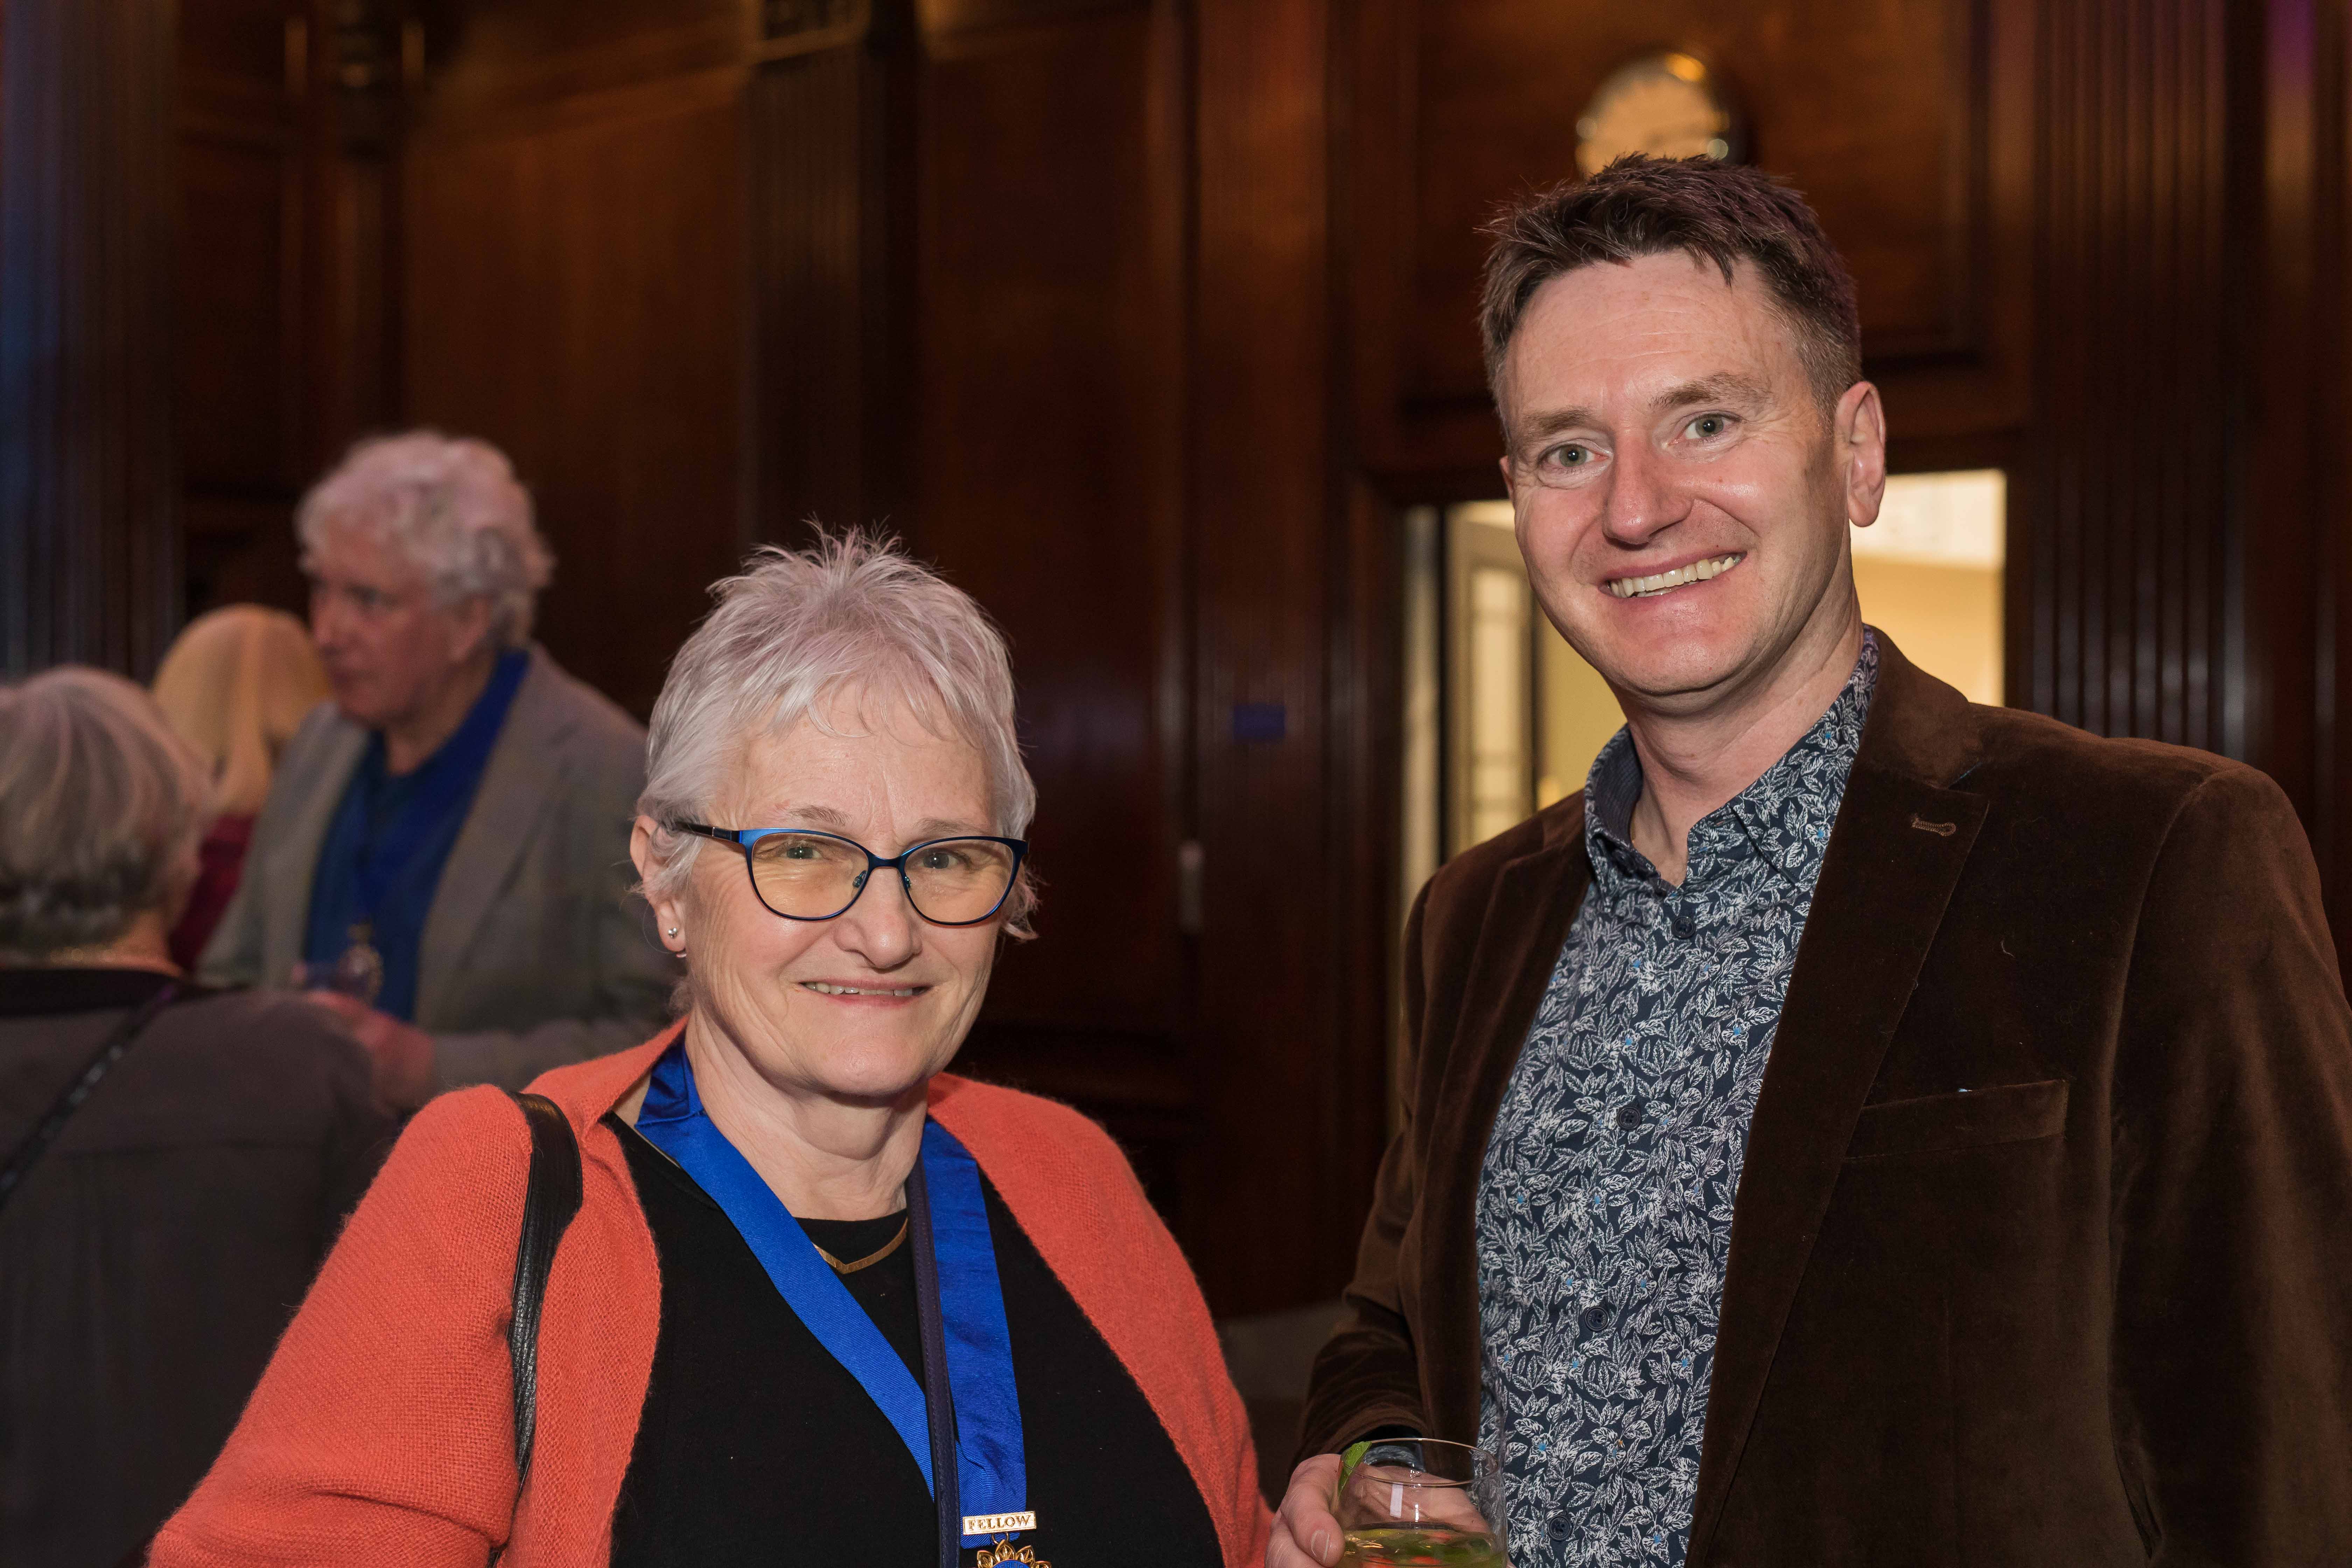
[1863,1126]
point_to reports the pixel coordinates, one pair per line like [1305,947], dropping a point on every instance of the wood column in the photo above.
[829,119]
[88,560]
[2180,529]
[1292,1047]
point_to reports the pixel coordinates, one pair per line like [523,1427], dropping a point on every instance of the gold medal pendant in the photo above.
[358,973]
[1005,1552]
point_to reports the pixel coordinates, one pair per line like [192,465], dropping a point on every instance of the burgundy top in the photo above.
[222,858]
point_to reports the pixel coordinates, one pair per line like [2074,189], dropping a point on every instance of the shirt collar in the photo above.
[1785,816]
[41,990]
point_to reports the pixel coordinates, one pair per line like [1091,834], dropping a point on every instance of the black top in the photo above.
[756,1446]
[150,1260]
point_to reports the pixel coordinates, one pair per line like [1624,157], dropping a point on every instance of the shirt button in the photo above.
[1629,1115]
[1594,1318]
[1685,926]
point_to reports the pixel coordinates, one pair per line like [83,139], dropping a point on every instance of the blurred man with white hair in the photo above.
[443,860]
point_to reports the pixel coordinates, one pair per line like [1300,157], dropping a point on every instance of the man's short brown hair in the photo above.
[1723,213]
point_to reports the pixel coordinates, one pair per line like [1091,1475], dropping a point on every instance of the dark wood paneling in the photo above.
[1877,114]
[89,552]
[483,58]
[574,289]
[2303,386]
[945,19]
[1278,1061]
[1048,469]
[832,261]
[1126,445]
[240,360]
[2126,532]
[1907,125]
[282,270]
[242,389]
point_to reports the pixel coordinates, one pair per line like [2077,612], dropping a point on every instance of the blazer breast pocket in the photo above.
[1971,1119]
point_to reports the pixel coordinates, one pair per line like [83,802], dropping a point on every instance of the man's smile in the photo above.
[1676,577]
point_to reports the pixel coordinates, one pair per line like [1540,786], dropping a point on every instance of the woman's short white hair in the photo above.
[454,506]
[791,631]
[101,807]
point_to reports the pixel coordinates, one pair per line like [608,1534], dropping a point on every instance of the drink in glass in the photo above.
[1419,1502]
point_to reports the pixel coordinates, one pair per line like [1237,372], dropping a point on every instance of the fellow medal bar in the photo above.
[998,1523]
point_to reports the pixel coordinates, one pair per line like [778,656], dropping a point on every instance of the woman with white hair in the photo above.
[435,860]
[822,1301]
[173,1160]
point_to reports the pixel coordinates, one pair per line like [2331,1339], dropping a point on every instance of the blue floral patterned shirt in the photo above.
[1604,1201]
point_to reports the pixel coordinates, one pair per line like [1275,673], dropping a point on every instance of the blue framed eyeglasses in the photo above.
[805,876]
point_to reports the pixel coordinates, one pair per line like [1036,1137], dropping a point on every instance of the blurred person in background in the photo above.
[796,1225]
[442,856]
[236,685]
[173,1160]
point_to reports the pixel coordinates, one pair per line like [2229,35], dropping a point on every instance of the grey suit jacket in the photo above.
[534,952]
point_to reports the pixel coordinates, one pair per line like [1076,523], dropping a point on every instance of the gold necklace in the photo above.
[871,1258]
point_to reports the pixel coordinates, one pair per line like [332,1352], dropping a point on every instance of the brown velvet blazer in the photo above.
[2043,1248]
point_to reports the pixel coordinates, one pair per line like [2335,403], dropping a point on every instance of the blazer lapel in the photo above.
[522,778]
[1896,853]
[1528,915]
[292,859]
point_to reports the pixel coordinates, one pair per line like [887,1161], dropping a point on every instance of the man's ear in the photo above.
[470,627]
[1861,443]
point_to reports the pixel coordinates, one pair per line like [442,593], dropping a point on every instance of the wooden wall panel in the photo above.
[832,260]
[282,280]
[89,550]
[240,364]
[2128,524]
[2325,80]
[483,58]
[1284,1078]
[2301,469]
[1865,108]
[1045,459]
[574,292]
[1898,120]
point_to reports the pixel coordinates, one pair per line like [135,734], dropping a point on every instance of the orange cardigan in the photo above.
[383,1431]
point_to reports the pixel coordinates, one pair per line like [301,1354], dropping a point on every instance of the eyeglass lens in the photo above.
[812,877]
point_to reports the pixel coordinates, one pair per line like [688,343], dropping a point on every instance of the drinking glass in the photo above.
[1419,1502]
[357,973]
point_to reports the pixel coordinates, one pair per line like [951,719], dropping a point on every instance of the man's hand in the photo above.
[1306,1535]
[403,1052]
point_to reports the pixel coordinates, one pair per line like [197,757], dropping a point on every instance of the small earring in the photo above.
[673,930]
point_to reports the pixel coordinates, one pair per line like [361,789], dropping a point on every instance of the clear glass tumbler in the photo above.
[1419,1502]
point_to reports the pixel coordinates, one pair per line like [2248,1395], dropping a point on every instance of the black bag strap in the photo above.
[550,1200]
[27,1153]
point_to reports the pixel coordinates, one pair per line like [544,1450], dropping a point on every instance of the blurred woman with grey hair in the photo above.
[821,1301]
[438,861]
[173,1160]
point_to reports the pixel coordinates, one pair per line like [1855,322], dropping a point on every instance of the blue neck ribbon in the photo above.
[991,1469]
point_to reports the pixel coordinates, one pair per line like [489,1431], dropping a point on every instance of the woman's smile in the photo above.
[869,993]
